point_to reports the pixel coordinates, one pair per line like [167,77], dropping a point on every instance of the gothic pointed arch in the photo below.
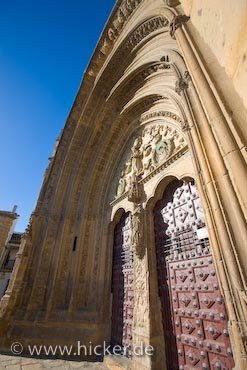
[145,111]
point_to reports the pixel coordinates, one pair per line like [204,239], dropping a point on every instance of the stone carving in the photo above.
[185,126]
[141,289]
[115,29]
[160,114]
[136,227]
[150,149]
[157,67]
[135,191]
[123,13]
[141,294]
[182,83]
[177,22]
[145,29]
[172,3]
[136,157]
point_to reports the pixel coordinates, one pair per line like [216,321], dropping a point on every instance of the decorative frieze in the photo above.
[145,29]
[160,114]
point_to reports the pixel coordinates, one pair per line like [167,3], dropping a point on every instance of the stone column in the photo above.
[227,145]
[210,177]
[222,175]
[141,322]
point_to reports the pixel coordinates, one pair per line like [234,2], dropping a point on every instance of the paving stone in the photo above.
[33,366]
[26,363]
[13,367]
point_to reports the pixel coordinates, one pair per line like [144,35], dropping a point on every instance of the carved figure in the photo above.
[137,156]
[136,234]
[147,157]
[121,184]
[150,149]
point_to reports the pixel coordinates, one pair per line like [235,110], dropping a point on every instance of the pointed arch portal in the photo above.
[146,112]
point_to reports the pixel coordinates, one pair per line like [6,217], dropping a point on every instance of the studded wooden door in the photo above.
[122,285]
[193,311]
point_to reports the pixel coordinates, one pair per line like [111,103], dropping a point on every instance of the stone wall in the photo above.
[7,223]
[219,29]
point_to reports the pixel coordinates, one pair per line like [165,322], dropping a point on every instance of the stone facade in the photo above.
[7,225]
[7,260]
[10,243]
[151,110]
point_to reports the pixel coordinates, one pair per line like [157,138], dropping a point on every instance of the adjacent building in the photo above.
[9,246]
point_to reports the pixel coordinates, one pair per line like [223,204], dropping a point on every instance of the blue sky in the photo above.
[44,48]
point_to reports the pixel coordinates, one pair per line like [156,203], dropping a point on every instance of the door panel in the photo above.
[122,285]
[193,311]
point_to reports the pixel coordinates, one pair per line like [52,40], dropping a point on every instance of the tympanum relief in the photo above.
[154,145]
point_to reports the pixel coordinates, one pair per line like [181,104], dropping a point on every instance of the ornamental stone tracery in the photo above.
[151,148]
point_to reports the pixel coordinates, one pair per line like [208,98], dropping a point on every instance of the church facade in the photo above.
[139,232]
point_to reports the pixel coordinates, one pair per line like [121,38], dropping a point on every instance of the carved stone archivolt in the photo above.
[123,13]
[149,26]
[150,149]
[146,28]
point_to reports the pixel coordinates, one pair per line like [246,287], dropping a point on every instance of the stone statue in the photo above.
[121,185]
[137,156]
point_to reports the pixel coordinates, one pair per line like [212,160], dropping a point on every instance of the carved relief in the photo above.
[136,227]
[150,149]
[141,288]
[141,294]
[160,114]
[123,13]
[145,29]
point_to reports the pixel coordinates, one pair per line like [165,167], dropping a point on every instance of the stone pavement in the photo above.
[25,363]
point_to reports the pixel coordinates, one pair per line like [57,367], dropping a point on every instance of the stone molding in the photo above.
[142,31]
[145,29]
[122,14]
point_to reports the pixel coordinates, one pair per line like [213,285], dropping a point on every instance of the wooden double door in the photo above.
[193,311]
[122,285]
[194,315]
